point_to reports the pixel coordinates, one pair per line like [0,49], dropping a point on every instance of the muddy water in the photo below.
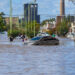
[22,59]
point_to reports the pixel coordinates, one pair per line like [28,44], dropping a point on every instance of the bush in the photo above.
[14,33]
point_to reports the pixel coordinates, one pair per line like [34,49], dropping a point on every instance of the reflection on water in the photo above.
[18,59]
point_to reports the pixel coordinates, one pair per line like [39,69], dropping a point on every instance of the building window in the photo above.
[35,5]
[31,6]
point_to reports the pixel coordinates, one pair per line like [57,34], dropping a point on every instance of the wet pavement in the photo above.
[19,59]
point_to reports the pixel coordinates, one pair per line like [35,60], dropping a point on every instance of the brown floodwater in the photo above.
[19,59]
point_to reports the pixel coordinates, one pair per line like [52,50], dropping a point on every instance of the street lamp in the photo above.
[10,16]
[34,18]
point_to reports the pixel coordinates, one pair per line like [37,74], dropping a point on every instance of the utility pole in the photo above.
[10,16]
[28,15]
[34,18]
[31,16]
[26,28]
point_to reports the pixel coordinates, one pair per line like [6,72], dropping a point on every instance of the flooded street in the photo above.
[19,59]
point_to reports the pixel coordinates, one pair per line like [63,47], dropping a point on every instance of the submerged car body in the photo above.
[47,40]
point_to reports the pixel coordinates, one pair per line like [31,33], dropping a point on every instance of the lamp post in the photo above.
[31,16]
[26,25]
[34,18]
[10,16]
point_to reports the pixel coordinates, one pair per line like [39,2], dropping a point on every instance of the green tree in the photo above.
[2,23]
[27,29]
[62,28]
[30,29]
[48,20]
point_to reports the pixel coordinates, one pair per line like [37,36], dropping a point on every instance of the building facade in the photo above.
[31,12]
[15,20]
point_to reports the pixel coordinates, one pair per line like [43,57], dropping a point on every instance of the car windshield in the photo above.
[36,38]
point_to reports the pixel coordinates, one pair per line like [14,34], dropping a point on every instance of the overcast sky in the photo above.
[49,7]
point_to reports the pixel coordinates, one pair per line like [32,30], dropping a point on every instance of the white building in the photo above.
[73,28]
[71,33]
[48,26]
